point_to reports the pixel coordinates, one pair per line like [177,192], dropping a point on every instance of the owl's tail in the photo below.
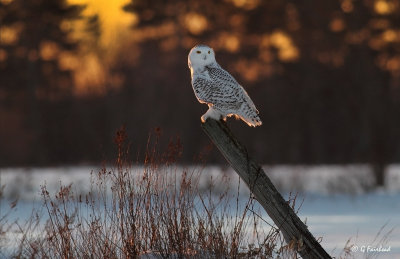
[249,114]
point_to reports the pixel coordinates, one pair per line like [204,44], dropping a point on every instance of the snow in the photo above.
[358,218]
[339,202]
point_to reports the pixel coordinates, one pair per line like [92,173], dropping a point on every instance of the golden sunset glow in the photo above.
[391,35]
[91,78]
[250,70]
[9,34]
[73,71]
[376,43]
[384,7]
[49,50]
[393,64]
[68,61]
[246,4]
[92,61]
[154,32]
[195,23]
[114,22]
[282,41]
[90,70]
[227,41]
[347,6]
[337,25]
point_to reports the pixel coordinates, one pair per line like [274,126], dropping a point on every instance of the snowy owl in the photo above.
[217,88]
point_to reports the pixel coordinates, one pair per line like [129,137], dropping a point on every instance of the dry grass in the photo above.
[156,213]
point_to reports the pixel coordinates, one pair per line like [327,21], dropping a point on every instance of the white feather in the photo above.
[216,87]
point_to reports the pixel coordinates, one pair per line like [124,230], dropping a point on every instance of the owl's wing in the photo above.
[218,74]
[224,75]
[218,88]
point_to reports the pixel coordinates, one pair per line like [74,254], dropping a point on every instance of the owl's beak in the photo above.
[204,57]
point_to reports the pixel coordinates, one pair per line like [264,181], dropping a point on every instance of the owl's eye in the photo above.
[209,52]
[198,52]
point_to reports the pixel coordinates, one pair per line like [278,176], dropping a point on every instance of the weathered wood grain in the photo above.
[293,229]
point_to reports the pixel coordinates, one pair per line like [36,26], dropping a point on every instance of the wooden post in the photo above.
[293,229]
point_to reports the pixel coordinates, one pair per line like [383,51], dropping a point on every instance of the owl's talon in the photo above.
[211,113]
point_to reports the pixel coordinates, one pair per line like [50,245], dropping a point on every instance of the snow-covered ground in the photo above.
[339,202]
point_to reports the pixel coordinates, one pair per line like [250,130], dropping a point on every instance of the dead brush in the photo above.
[152,209]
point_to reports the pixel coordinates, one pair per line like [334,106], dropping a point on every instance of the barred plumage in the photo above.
[216,87]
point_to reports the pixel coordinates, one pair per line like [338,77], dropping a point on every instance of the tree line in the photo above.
[324,75]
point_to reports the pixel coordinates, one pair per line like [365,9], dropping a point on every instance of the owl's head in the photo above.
[200,56]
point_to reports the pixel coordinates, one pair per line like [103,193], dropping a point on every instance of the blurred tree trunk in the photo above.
[379,173]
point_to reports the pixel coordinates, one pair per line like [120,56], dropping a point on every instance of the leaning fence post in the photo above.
[293,229]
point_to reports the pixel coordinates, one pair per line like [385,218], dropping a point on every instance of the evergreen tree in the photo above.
[33,35]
